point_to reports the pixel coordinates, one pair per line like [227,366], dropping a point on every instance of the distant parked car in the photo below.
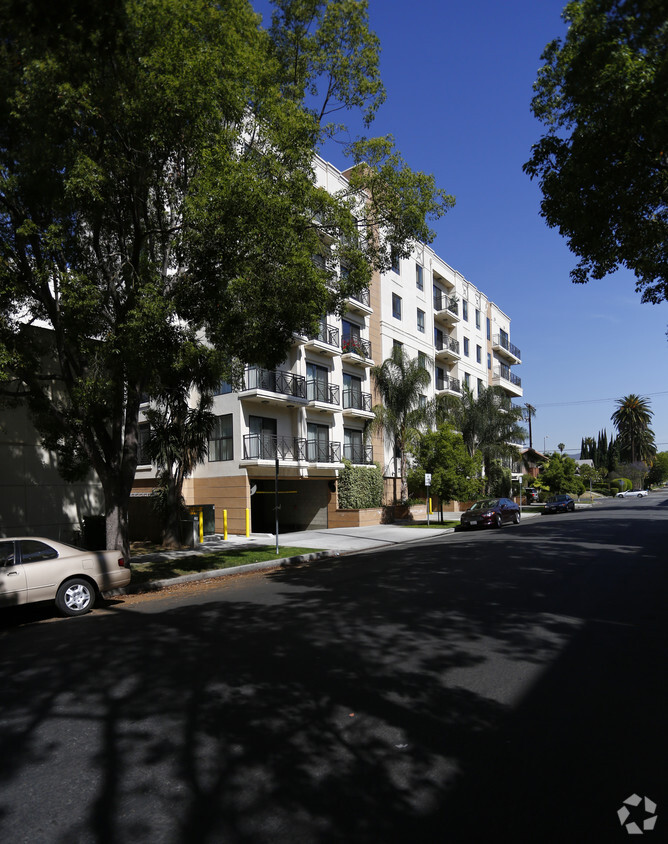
[559,504]
[531,494]
[491,512]
[632,493]
[36,569]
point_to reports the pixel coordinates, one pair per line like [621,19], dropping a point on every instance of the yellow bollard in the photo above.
[224,524]
[201,526]
[430,510]
[247,522]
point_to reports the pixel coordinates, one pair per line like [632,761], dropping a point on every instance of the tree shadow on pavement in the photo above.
[477,687]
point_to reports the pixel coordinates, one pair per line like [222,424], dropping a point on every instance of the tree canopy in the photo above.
[454,472]
[635,438]
[157,187]
[602,164]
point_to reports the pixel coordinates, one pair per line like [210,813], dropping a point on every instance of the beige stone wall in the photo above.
[231,494]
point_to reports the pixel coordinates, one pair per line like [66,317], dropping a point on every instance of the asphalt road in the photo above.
[493,685]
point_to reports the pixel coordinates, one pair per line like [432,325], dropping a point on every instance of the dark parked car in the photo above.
[559,504]
[491,512]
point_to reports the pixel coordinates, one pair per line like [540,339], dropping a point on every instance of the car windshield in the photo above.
[487,504]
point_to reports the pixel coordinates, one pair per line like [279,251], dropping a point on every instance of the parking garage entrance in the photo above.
[302,505]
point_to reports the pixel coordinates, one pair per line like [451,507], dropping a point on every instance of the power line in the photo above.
[595,401]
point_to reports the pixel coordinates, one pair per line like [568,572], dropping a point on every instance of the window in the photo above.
[143,434]
[221,443]
[489,329]
[422,401]
[478,354]
[223,388]
[465,310]
[477,318]
[422,360]
[419,277]
[7,554]
[489,360]
[317,444]
[420,321]
[467,380]
[481,387]
[317,382]
[396,306]
[394,257]
[33,551]
[353,446]
[260,444]
[466,346]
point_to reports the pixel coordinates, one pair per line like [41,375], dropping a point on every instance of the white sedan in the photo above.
[36,569]
[632,493]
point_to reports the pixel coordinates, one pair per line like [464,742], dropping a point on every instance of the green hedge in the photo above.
[620,485]
[360,487]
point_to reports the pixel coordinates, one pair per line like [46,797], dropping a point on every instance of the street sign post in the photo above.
[427,483]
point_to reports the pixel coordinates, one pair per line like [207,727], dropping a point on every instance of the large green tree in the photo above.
[635,439]
[401,381]
[602,164]
[454,472]
[157,187]
[488,422]
[559,476]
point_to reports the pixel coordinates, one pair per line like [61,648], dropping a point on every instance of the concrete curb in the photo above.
[159,585]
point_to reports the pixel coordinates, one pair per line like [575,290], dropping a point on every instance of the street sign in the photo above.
[427,479]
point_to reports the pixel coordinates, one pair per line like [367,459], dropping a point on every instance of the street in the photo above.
[484,685]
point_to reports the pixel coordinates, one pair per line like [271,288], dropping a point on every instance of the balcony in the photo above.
[268,447]
[360,303]
[448,385]
[323,452]
[273,387]
[357,351]
[357,403]
[503,377]
[504,347]
[326,340]
[446,308]
[447,349]
[362,455]
[322,395]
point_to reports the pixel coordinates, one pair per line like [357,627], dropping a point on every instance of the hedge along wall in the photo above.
[360,487]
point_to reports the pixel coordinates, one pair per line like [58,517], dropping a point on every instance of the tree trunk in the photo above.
[171,534]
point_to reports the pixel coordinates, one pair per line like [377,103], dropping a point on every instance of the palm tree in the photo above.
[530,412]
[489,423]
[561,447]
[400,382]
[634,436]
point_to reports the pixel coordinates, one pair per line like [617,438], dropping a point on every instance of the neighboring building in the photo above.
[312,411]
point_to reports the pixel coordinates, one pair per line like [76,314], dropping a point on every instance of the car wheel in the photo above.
[498,521]
[640,496]
[75,597]
[516,517]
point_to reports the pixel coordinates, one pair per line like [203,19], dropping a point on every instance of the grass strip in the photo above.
[168,567]
[431,525]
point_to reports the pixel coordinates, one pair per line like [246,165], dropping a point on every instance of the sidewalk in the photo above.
[326,543]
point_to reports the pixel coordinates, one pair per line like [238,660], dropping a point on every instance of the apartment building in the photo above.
[310,413]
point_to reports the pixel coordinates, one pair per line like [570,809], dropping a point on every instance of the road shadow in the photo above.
[507,684]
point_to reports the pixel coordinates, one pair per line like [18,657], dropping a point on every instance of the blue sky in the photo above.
[459,82]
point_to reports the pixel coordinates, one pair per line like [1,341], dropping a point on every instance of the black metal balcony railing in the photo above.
[444,344]
[362,296]
[361,454]
[323,452]
[323,392]
[506,373]
[269,447]
[442,302]
[447,383]
[500,340]
[327,334]
[356,400]
[275,381]
[356,346]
